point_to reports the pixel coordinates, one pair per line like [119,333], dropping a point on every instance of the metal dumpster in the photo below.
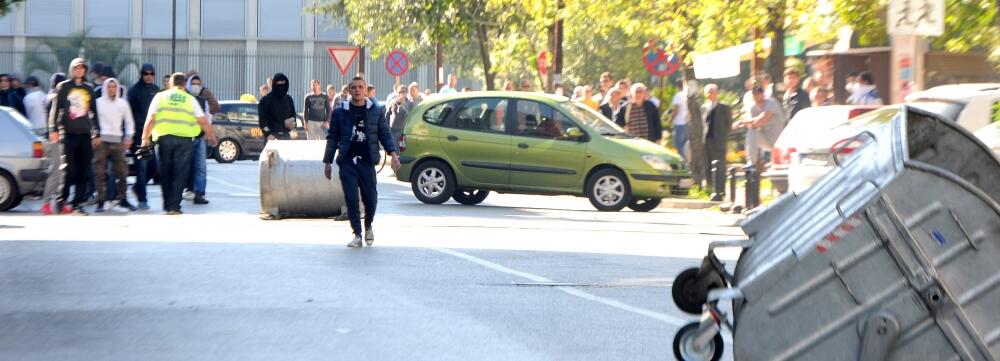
[892,256]
[292,183]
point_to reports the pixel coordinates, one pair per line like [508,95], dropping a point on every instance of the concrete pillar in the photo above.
[135,26]
[308,49]
[79,17]
[907,67]
[252,8]
[20,16]
[194,33]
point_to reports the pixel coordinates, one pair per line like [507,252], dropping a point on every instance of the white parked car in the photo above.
[808,137]
[973,106]
[22,163]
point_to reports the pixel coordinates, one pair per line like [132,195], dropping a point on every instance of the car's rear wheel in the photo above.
[608,190]
[470,197]
[433,182]
[227,151]
[9,194]
[645,204]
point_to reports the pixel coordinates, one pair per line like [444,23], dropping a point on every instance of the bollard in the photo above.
[718,190]
[752,186]
[732,185]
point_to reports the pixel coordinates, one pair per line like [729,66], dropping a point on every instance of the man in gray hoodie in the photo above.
[117,131]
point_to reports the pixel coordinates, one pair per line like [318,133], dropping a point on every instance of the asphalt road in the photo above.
[516,278]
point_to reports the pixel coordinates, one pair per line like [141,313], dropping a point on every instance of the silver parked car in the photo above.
[22,162]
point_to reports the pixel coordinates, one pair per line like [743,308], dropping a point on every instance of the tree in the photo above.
[6,5]
[54,54]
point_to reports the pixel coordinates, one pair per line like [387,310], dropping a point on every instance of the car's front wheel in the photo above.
[9,195]
[470,197]
[227,151]
[608,190]
[645,204]
[433,182]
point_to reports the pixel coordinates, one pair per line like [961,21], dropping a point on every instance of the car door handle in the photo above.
[522,145]
[452,138]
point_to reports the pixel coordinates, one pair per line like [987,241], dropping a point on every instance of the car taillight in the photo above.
[782,156]
[402,143]
[36,150]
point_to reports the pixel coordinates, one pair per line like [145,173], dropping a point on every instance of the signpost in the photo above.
[909,21]
[397,63]
[343,57]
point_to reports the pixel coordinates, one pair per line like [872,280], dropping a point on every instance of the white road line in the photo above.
[237,186]
[568,290]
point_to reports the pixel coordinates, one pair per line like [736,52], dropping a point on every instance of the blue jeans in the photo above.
[354,177]
[680,136]
[199,172]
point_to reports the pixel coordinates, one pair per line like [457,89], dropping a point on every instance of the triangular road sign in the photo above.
[344,57]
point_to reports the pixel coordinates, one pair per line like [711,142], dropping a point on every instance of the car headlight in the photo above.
[657,163]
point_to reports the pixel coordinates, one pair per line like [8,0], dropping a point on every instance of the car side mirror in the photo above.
[574,133]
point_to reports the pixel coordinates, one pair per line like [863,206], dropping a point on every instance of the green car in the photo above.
[465,145]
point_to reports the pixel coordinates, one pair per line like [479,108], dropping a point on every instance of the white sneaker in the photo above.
[356,243]
[369,237]
[188,195]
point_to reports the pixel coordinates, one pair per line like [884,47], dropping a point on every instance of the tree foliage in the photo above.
[54,54]
[6,5]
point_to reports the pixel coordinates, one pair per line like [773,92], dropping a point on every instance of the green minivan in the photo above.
[463,146]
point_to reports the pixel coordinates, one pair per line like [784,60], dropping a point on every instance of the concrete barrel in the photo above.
[292,182]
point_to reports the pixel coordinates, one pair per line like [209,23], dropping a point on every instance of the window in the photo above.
[541,121]
[438,113]
[107,17]
[248,114]
[484,115]
[156,16]
[49,17]
[327,29]
[223,18]
[280,19]
[7,24]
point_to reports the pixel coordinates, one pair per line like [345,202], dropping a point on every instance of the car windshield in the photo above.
[593,119]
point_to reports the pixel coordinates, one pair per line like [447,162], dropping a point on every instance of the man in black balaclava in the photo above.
[276,108]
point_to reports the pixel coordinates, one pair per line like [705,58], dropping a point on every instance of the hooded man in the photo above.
[8,95]
[117,134]
[198,181]
[139,98]
[275,109]
[73,119]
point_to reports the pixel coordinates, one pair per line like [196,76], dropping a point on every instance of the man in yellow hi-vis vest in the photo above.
[174,120]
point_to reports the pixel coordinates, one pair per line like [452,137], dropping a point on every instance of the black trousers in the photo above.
[77,157]
[716,151]
[359,176]
[175,167]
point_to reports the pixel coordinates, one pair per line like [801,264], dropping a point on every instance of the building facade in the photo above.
[235,44]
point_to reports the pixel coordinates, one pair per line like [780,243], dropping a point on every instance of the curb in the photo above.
[679,203]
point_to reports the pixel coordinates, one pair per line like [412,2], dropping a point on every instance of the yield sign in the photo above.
[343,57]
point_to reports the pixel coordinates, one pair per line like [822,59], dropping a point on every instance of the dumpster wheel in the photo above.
[684,349]
[687,294]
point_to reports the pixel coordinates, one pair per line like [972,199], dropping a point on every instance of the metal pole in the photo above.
[173,38]
[438,66]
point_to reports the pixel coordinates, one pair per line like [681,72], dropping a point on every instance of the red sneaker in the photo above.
[47,209]
[66,209]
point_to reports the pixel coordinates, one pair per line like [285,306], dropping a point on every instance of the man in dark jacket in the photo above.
[795,98]
[139,97]
[718,119]
[73,120]
[356,129]
[640,117]
[275,109]
[8,95]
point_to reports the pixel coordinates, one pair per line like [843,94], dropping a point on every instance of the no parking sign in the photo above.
[397,63]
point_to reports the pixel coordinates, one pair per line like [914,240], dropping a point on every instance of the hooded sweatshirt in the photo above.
[54,81]
[139,97]
[115,116]
[74,108]
[205,97]
[275,107]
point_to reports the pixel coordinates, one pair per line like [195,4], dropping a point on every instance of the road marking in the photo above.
[568,290]
[237,186]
